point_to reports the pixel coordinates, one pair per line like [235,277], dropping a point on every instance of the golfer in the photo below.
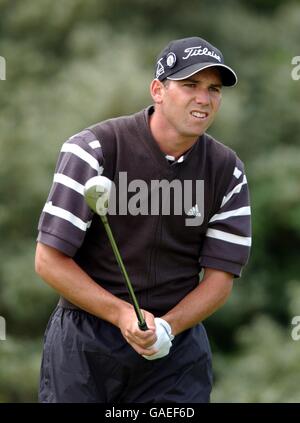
[181,253]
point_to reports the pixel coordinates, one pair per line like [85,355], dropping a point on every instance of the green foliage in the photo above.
[25,299]
[72,63]
[266,367]
[19,364]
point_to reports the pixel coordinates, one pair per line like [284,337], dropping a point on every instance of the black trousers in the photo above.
[87,360]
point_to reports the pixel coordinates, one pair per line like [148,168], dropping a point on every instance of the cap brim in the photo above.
[229,77]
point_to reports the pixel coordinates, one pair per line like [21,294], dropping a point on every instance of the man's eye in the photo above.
[215,89]
[190,85]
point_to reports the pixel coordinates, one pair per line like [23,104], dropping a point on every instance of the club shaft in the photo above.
[141,320]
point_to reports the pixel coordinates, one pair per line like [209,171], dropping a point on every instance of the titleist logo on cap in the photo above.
[199,51]
[183,58]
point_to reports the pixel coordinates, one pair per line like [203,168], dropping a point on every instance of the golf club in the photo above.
[96,194]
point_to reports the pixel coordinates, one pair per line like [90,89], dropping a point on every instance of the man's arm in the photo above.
[66,277]
[224,252]
[200,303]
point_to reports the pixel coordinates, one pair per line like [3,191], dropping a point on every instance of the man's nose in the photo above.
[202,96]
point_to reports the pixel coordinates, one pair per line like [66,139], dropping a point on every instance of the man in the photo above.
[94,350]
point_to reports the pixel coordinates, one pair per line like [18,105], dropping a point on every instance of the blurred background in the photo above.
[70,64]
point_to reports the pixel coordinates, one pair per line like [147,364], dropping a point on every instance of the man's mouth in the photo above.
[199,115]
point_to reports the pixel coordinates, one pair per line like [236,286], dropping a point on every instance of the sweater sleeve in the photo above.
[66,217]
[227,240]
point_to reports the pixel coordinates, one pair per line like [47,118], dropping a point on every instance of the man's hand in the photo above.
[164,340]
[141,341]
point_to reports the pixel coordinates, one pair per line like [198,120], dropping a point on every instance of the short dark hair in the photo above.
[165,82]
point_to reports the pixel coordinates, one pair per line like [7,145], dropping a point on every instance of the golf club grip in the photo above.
[143,326]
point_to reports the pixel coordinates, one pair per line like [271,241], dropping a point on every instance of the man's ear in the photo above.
[156,90]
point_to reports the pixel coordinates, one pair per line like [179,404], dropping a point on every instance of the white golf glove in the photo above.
[164,339]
